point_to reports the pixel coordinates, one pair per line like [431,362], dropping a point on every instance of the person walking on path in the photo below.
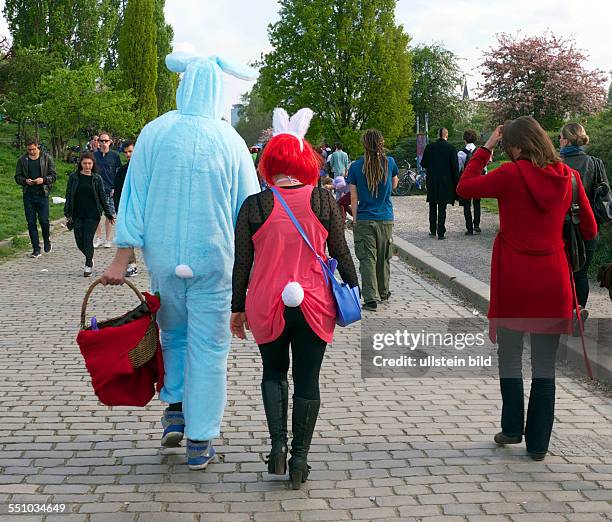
[472,223]
[531,288]
[289,302]
[179,205]
[573,139]
[371,180]
[128,148]
[440,161]
[85,203]
[107,163]
[338,161]
[35,172]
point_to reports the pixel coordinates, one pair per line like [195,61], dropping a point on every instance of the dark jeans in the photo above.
[470,222]
[581,278]
[541,409]
[84,232]
[437,218]
[307,351]
[37,205]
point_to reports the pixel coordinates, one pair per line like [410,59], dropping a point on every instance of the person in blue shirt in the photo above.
[371,179]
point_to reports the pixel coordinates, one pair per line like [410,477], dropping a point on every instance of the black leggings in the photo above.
[84,232]
[307,351]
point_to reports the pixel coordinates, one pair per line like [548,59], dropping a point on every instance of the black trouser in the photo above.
[470,222]
[307,351]
[541,409]
[84,232]
[36,205]
[437,218]
[581,278]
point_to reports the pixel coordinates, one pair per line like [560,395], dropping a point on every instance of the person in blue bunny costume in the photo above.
[187,179]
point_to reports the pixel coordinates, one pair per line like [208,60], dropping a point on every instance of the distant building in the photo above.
[466,94]
[236,113]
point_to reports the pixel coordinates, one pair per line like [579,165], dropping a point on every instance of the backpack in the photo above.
[468,156]
[574,241]
[601,197]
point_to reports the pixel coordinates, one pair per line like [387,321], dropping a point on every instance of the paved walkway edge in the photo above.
[477,293]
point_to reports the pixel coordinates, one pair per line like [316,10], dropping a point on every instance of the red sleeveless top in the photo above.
[282,256]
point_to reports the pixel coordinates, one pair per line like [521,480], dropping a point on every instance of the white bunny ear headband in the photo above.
[297,125]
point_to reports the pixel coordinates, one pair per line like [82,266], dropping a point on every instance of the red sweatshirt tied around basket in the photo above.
[123,356]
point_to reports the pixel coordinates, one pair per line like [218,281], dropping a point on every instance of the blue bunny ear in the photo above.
[235,69]
[179,60]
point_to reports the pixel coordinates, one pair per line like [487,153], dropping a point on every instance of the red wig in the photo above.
[282,155]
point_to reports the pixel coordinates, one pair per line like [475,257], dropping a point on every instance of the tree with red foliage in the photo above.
[542,76]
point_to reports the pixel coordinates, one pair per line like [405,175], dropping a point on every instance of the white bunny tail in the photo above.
[280,121]
[300,122]
[293,294]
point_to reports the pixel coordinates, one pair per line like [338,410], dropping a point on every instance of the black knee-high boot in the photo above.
[303,419]
[540,415]
[276,398]
[513,406]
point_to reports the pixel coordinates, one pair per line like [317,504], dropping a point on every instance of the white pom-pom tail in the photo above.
[183,271]
[293,294]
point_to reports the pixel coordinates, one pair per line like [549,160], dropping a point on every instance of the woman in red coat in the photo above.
[531,289]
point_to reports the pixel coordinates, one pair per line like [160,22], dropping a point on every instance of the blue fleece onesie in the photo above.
[188,176]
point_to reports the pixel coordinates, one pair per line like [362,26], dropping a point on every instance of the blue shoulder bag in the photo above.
[348,307]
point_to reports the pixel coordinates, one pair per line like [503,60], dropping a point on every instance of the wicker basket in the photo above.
[145,350]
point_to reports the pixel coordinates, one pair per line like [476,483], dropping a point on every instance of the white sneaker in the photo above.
[87,271]
[107,244]
[97,242]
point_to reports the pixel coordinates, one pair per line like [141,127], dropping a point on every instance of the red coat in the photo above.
[530,276]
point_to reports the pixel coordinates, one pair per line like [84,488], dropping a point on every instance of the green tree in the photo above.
[77,31]
[437,78]
[27,22]
[20,78]
[610,92]
[254,118]
[77,99]
[167,81]
[346,60]
[599,129]
[138,55]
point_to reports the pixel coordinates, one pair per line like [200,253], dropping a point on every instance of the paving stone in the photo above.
[384,449]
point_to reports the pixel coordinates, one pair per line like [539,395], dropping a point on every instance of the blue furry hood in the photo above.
[201,91]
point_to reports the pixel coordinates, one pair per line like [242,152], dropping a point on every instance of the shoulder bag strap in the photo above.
[302,233]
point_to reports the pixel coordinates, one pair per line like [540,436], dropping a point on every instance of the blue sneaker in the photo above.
[200,454]
[173,423]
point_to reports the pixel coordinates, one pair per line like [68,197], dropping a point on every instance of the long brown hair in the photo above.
[375,161]
[525,133]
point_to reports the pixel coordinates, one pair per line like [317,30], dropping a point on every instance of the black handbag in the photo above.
[574,242]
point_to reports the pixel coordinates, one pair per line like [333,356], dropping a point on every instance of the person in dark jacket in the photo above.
[440,161]
[531,289]
[572,140]
[128,148]
[85,203]
[35,172]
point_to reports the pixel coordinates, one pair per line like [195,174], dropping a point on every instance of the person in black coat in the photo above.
[440,161]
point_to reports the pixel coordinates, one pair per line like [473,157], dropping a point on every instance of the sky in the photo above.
[237,29]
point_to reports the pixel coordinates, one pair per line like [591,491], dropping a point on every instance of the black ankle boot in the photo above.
[275,398]
[303,421]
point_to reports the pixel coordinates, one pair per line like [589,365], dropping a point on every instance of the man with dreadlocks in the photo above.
[371,179]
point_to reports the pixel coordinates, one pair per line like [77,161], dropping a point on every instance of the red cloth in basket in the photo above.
[114,379]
